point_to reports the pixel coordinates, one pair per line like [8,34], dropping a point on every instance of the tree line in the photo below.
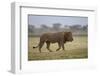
[57,27]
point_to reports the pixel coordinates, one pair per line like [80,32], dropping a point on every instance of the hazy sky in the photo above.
[49,20]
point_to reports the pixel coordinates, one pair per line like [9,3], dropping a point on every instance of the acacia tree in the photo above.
[31,28]
[43,26]
[56,26]
[85,27]
[76,27]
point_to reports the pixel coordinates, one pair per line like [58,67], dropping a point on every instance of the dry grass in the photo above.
[73,50]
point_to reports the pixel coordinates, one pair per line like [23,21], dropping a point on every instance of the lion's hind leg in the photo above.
[40,45]
[48,45]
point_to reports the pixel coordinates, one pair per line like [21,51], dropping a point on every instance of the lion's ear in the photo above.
[69,32]
[65,35]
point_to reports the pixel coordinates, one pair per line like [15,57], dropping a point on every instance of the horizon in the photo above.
[38,20]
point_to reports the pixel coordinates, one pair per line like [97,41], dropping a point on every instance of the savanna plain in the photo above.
[77,49]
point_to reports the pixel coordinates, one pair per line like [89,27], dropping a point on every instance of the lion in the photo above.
[59,37]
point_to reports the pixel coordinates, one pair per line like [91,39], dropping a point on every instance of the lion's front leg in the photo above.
[62,44]
[59,45]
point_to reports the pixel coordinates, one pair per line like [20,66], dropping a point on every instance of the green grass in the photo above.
[73,50]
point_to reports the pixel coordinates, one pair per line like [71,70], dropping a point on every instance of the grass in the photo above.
[73,50]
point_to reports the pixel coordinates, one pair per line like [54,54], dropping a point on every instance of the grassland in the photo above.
[73,50]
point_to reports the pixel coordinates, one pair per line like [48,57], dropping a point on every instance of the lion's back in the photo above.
[52,37]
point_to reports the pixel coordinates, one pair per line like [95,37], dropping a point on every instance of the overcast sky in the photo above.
[49,20]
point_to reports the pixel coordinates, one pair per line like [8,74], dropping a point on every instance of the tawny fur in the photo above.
[59,37]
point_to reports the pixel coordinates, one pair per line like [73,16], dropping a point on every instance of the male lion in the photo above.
[60,37]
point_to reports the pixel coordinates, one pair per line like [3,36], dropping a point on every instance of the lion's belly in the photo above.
[54,41]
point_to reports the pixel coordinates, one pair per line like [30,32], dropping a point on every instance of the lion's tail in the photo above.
[36,46]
